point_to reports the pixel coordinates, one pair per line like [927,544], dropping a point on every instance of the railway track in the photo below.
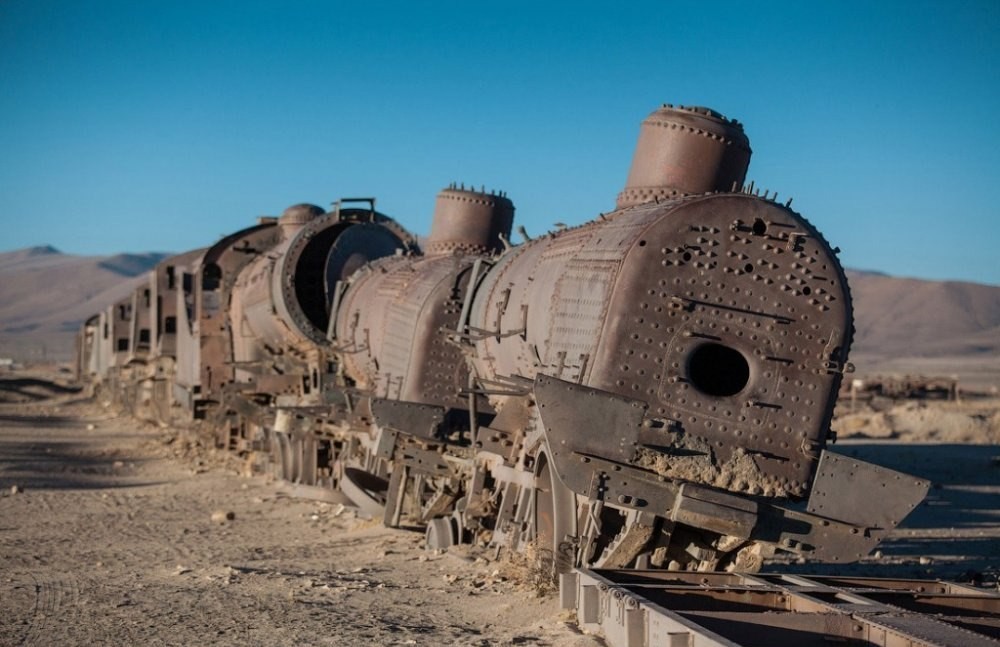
[634,608]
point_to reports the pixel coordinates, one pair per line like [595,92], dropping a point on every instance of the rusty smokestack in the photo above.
[685,150]
[470,221]
[296,217]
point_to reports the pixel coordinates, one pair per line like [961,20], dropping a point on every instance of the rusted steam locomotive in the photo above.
[653,388]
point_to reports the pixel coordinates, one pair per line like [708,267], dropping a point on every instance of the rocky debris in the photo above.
[223,516]
[691,459]
[922,421]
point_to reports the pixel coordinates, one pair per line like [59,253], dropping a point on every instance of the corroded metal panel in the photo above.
[140,326]
[738,326]
[119,318]
[728,314]
[167,282]
[280,306]
[394,325]
[872,497]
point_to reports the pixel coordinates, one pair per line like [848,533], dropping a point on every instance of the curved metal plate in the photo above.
[358,245]
[366,490]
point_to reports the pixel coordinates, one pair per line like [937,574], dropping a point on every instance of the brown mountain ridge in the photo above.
[45,295]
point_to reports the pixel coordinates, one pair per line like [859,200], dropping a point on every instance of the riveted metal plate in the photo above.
[414,418]
[588,421]
[736,322]
[863,494]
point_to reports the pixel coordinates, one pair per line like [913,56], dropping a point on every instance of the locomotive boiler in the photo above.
[653,388]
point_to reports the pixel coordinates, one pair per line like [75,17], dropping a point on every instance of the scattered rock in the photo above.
[91,427]
[222,516]
[16,489]
[924,561]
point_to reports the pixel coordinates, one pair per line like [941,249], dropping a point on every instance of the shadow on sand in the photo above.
[63,466]
[30,389]
[59,453]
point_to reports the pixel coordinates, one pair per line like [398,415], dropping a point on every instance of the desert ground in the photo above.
[118,532]
[114,532]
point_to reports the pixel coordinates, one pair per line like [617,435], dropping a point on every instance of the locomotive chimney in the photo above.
[296,217]
[470,221]
[683,151]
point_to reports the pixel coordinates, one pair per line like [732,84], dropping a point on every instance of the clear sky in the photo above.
[159,125]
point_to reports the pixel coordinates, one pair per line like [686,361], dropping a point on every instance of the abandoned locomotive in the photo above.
[653,388]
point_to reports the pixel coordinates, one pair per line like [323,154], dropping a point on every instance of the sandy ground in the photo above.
[111,541]
[107,536]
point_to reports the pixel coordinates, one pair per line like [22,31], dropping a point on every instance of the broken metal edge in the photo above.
[842,521]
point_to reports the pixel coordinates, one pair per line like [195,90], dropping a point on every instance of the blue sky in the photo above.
[146,125]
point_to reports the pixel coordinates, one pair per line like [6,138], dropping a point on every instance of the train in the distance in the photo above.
[651,389]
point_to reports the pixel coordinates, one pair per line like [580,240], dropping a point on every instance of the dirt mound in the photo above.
[919,421]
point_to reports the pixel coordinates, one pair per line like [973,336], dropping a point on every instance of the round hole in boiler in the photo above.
[718,370]
[759,227]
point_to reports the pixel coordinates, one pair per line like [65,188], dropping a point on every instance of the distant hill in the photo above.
[932,328]
[912,317]
[45,295]
[903,325]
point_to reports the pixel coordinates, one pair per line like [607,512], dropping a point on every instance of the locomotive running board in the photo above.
[853,504]
[644,608]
